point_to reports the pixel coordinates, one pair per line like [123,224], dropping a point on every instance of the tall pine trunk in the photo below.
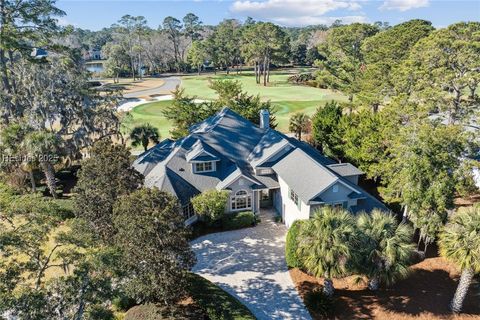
[49,172]
[265,72]
[32,180]
[462,289]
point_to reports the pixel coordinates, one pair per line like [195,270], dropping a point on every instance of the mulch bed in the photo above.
[425,294]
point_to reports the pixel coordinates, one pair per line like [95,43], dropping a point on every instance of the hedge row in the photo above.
[238,220]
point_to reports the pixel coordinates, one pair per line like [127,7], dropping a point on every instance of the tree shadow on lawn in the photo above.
[425,294]
[424,291]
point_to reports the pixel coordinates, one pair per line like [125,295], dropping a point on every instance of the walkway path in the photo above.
[170,85]
[250,264]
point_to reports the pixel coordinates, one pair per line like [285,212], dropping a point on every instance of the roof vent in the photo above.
[264,119]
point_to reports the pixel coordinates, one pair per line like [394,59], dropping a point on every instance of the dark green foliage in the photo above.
[312,56]
[217,304]
[299,54]
[151,311]
[153,239]
[184,112]
[28,225]
[383,53]
[123,302]
[343,62]
[325,129]
[385,248]
[320,303]
[291,245]
[99,312]
[301,78]
[143,135]
[210,205]
[362,135]
[104,177]
[238,220]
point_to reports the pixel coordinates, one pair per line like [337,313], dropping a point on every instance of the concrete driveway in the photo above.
[250,265]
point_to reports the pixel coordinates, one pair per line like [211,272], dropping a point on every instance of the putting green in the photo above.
[286,97]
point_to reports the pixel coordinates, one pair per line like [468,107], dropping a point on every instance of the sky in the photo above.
[96,14]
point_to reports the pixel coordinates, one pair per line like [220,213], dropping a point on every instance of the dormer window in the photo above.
[200,167]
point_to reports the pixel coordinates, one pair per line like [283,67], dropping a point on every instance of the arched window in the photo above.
[241,200]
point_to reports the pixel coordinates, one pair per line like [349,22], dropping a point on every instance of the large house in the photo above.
[259,166]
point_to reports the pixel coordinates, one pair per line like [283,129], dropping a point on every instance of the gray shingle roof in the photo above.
[239,146]
[304,175]
[345,169]
[270,144]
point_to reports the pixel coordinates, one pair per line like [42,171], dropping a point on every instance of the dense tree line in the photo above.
[408,121]
[131,47]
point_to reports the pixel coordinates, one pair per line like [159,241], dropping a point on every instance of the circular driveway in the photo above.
[250,265]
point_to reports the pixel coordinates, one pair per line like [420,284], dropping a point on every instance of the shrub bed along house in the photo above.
[238,220]
[291,245]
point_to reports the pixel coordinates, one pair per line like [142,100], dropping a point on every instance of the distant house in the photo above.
[259,166]
[93,54]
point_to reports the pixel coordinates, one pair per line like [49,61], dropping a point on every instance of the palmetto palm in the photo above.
[326,243]
[44,147]
[299,123]
[385,248]
[11,142]
[143,135]
[460,243]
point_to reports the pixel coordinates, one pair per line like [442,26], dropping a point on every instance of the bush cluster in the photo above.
[238,220]
[291,246]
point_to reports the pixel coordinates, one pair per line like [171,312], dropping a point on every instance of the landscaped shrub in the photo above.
[210,205]
[301,78]
[238,220]
[318,302]
[172,312]
[98,312]
[123,303]
[291,246]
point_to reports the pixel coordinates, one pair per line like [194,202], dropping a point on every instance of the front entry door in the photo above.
[266,198]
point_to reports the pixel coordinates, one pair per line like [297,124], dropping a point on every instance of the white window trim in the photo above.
[213,164]
[298,204]
[247,196]
[333,204]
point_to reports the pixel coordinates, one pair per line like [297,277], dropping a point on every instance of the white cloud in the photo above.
[298,12]
[403,5]
[64,22]
[312,20]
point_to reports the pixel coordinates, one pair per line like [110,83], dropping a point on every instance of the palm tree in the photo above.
[325,244]
[11,141]
[460,242]
[143,135]
[299,123]
[44,147]
[385,248]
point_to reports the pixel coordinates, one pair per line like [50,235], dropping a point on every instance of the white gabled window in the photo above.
[241,200]
[203,167]
[294,197]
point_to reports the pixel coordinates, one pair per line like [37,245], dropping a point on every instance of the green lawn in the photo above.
[148,113]
[277,90]
[217,303]
[287,98]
